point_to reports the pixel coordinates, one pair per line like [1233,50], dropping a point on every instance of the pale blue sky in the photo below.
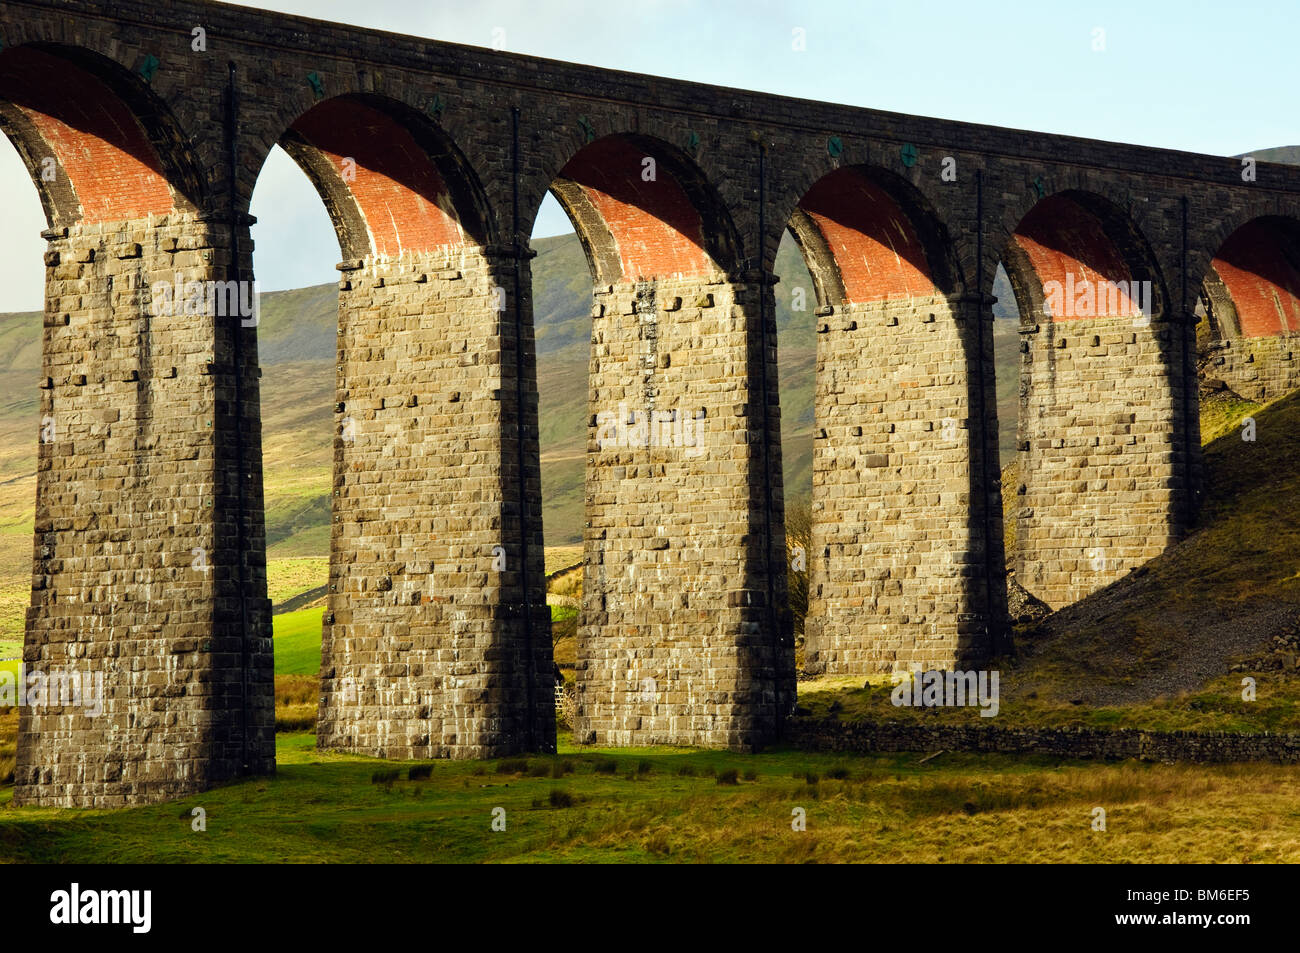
[1182,74]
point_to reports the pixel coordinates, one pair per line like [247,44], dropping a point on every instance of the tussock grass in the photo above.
[296,689]
[1221,415]
[296,718]
[1039,695]
[329,807]
[296,699]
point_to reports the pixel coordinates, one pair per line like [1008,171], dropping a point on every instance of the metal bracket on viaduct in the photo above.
[433,160]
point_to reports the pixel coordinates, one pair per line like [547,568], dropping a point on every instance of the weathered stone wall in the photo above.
[678,640]
[1102,471]
[1201,747]
[136,580]
[896,572]
[427,650]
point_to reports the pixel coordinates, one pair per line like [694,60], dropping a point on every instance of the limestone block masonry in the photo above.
[1259,369]
[135,579]
[427,649]
[678,640]
[1102,482]
[896,581]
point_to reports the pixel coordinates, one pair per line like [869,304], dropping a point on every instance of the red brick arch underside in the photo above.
[1259,266]
[653,225]
[1068,244]
[875,246]
[385,174]
[112,169]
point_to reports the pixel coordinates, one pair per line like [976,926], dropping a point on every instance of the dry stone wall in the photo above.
[1197,747]
[1259,368]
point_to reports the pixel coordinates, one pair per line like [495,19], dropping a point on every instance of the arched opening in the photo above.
[118,187]
[795,301]
[22,293]
[1102,475]
[1077,256]
[858,230]
[22,297]
[1249,321]
[900,434]
[422,653]
[295,250]
[562,306]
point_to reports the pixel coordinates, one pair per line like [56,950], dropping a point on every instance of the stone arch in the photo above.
[1077,235]
[392,181]
[114,150]
[436,390]
[642,208]
[677,397]
[911,176]
[1252,284]
[869,235]
[695,147]
[422,103]
[1250,292]
[123,344]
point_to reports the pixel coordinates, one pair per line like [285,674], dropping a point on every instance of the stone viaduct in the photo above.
[145,126]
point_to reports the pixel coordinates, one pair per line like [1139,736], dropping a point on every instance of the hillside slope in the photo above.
[1205,637]
[1287,154]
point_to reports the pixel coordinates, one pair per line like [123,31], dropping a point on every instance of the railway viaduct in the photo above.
[144,128]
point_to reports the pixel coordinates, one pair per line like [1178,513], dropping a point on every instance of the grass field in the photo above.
[11,652]
[287,577]
[297,642]
[8,746]
[664,804]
